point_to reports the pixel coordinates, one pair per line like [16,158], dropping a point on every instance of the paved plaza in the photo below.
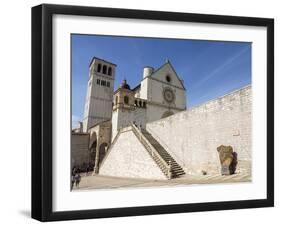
[89,182]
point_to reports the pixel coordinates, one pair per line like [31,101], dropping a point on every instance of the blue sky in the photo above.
[209,68]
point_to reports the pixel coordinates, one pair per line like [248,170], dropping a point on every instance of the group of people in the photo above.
[84,168]
[76,173]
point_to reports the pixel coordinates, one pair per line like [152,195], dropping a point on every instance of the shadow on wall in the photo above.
[234,161]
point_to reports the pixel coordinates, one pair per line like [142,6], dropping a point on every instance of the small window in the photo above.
[99,67]
[116,100]
[104,69]
[109,71]
[108,84]
[168,78]
[98,81]
[126,99]
[103,83]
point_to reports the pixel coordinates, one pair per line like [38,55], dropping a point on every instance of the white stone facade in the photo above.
[99,98]
[152,87]
[129,158]
[122,118]
[192,136]
[152,91]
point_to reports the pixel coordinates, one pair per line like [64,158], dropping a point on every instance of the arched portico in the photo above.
[93,147]
[100,137]
[100,154]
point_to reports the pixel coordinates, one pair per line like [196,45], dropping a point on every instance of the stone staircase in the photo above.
[163,159]
[176,169]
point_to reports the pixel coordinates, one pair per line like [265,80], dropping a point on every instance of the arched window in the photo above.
[99,67]
[126,99]
[168,78]
[104,69]
[109,71]
[116,100]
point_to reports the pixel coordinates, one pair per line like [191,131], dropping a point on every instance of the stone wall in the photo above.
[79,149]
[139,116]
[128,158]
[192,136]
[122,118]
[155,112]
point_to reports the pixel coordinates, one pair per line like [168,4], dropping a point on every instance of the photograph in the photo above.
[159,112]
[144,112]
[136,113]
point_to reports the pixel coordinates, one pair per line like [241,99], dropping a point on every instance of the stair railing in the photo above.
[166,147]
[152,151]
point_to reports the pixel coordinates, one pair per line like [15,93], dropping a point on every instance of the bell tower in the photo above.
[122,109]
[99,97]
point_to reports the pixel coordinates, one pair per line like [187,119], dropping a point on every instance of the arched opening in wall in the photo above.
[126,99]
[99,67]
[109,71]
[92,148]
[104,69]
[93,138]
[92,155]
[102,151]
[167,114]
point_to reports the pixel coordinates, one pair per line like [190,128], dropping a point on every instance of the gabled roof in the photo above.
[168,63]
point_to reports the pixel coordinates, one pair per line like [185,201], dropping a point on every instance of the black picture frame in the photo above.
[42,111]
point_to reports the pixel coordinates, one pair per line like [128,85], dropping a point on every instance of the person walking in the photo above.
[77,180]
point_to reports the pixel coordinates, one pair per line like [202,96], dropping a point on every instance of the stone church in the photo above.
[147,131]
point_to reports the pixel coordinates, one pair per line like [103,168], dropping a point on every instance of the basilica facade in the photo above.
[147,131]
[160,93]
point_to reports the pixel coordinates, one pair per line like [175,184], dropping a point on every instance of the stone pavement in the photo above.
[105,182]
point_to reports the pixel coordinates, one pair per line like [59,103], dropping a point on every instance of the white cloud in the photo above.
[217,70]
